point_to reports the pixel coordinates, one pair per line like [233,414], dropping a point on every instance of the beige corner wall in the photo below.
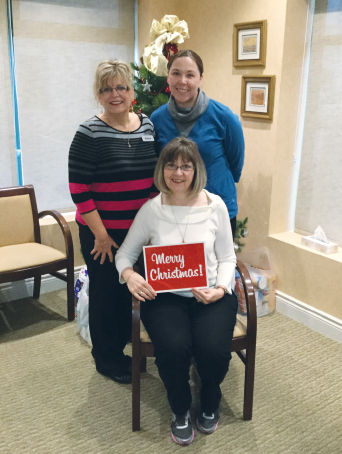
[265,192]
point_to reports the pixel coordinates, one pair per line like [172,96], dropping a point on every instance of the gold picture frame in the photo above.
[257,97]
[249,44]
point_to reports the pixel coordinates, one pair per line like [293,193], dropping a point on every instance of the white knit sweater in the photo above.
[155,225]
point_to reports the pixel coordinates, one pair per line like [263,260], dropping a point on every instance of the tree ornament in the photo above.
[244,233]
[170,30]
[147,86]
[170,49]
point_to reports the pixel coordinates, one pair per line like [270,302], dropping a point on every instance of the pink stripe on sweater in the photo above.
[77,188]
[120,206]
[122,186]
[124,224]
[86,206]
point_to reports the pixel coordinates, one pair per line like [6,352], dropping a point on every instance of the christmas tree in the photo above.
[151,91]
[150,84]
[240,232]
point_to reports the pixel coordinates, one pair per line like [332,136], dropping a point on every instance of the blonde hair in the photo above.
[107,70]
[187,150]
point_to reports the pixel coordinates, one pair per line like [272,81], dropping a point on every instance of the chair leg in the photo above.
[70,293]
[143,364]
[249,384]
[136,390]
[36,286]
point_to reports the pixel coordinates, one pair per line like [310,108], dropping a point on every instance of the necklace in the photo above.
[127,140]
[187,221]
[129,129]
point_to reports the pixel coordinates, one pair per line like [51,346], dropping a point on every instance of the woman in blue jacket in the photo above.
[213,126]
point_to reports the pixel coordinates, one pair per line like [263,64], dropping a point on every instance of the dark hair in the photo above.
[187,53]
[187,150]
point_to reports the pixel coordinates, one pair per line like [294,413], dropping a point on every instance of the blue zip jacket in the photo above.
[219,137]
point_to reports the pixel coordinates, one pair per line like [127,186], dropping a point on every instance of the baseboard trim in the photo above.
[313,318]
[12,291]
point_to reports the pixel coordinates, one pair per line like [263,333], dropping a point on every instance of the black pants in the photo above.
[110,308]
[233,226]
[180,328]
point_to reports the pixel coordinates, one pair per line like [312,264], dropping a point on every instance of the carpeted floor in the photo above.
[54,402]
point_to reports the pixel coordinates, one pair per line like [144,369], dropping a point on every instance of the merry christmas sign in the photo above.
[176,267]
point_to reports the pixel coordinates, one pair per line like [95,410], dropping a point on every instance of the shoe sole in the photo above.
[185,442]
[205,431]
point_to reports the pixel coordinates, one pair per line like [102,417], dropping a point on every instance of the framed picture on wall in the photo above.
[257,97]
[249,44]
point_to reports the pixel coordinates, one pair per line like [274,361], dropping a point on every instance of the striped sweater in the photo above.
[108,175]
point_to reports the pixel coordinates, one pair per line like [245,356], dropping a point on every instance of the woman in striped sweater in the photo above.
[111,165]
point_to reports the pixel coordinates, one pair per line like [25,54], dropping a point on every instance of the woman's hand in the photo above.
[103,247]
[208,295]
[137,285]
[103,242]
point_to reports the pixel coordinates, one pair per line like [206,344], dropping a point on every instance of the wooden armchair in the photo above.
[244,343]
[21,253]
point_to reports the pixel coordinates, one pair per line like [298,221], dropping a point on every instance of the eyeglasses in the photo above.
[174,168]
[119,89]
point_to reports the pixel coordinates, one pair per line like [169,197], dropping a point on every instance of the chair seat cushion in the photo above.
[27,255]
[240,326]
[239,330]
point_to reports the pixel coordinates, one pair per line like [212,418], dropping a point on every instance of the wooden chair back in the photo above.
[20,237]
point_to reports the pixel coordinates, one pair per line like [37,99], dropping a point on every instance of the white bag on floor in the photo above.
[82,309]
[260,268]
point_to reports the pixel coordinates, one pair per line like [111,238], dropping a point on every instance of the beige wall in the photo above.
[265,192]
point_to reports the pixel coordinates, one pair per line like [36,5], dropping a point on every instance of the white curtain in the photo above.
[319,199]
[58,46]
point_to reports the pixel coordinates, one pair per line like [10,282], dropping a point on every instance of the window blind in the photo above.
[8,174]
[58,46]
[319,197]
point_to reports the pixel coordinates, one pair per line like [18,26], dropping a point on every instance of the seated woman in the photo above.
[185,324]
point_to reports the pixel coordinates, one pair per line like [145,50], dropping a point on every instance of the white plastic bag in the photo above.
[83,307]
[259,265]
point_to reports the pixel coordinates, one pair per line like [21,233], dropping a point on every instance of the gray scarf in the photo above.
[185,118]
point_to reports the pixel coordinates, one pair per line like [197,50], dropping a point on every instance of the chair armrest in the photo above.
[69,248]
[250,299]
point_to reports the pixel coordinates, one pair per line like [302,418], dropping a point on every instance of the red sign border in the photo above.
[178,244]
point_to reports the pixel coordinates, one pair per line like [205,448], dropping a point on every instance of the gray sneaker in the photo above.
[182,431]
[207,423]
